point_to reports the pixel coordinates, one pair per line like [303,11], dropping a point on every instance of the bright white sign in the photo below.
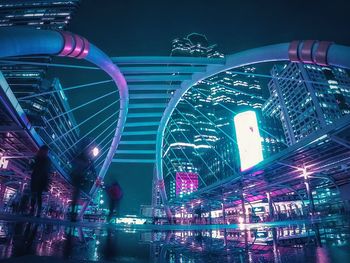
[248,139]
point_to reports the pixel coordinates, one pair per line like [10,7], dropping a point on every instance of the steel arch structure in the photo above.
[309,51]
[156,84]
[21,41]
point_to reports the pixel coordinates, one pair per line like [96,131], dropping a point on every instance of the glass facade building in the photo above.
[201,137]
[40,14]
[49,114]
[27,79]
[307,98]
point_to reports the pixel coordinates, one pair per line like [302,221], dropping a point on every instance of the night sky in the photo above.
[132,28]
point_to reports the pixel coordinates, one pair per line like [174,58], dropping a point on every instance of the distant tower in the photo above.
[184,143]
[194,45]
[194,137]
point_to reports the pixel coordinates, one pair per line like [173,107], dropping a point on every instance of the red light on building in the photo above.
[186,183]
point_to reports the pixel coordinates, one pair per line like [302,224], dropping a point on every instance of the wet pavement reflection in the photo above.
[317,242]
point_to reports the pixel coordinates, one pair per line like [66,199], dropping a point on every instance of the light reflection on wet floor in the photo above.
[319,242]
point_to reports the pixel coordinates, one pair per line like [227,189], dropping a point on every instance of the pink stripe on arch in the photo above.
[293,51]
[85,50]
[68,45]
[320,57]
[79,46]
[306,51]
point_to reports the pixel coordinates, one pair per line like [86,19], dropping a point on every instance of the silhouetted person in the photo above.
[24,238]
[109,250]
[40,178]
[80,166]
[68,244]
[115,194]
[24,203]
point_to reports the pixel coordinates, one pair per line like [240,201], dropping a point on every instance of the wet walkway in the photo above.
[24,239]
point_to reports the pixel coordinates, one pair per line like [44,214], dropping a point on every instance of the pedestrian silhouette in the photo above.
[115,194]
[39,179]
[24,203]
[80,167]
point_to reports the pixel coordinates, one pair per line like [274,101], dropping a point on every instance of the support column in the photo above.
[276,254]
[225,238]
[309,192]
[223,212]
[193,220]
[243,210]
[210,219]
[271,209]
[2,194]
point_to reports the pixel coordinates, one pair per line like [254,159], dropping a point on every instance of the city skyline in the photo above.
[188,131]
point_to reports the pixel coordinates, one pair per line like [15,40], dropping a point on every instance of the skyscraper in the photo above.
[189,132]
[27,79]
[40,14]
[201,137]
[307,98]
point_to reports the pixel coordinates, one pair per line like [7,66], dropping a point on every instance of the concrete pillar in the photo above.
[309,192]
[210,219]
[225,238]
[243,210]
[271,208]
[317,234]
[223,213]
[309,195]
[2,194]
[277,258]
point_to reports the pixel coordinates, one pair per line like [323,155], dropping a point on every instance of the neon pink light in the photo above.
[68,45]
[79,45]
[186,183]
[86,49]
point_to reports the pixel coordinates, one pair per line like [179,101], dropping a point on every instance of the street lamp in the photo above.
[95,151]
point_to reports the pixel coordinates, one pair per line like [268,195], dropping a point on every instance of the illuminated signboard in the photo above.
[261,234]
[259,209]
[248,139]
[186,183]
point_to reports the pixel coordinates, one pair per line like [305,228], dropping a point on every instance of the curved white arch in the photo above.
[322,53]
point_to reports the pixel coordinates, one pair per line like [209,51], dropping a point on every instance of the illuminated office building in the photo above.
[42,14]
[24,78]
[198,141]
[307,98]
[58,132]
[186,183]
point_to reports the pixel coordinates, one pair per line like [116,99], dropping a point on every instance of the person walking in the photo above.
[39,179]
[115,194]
[80,166]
